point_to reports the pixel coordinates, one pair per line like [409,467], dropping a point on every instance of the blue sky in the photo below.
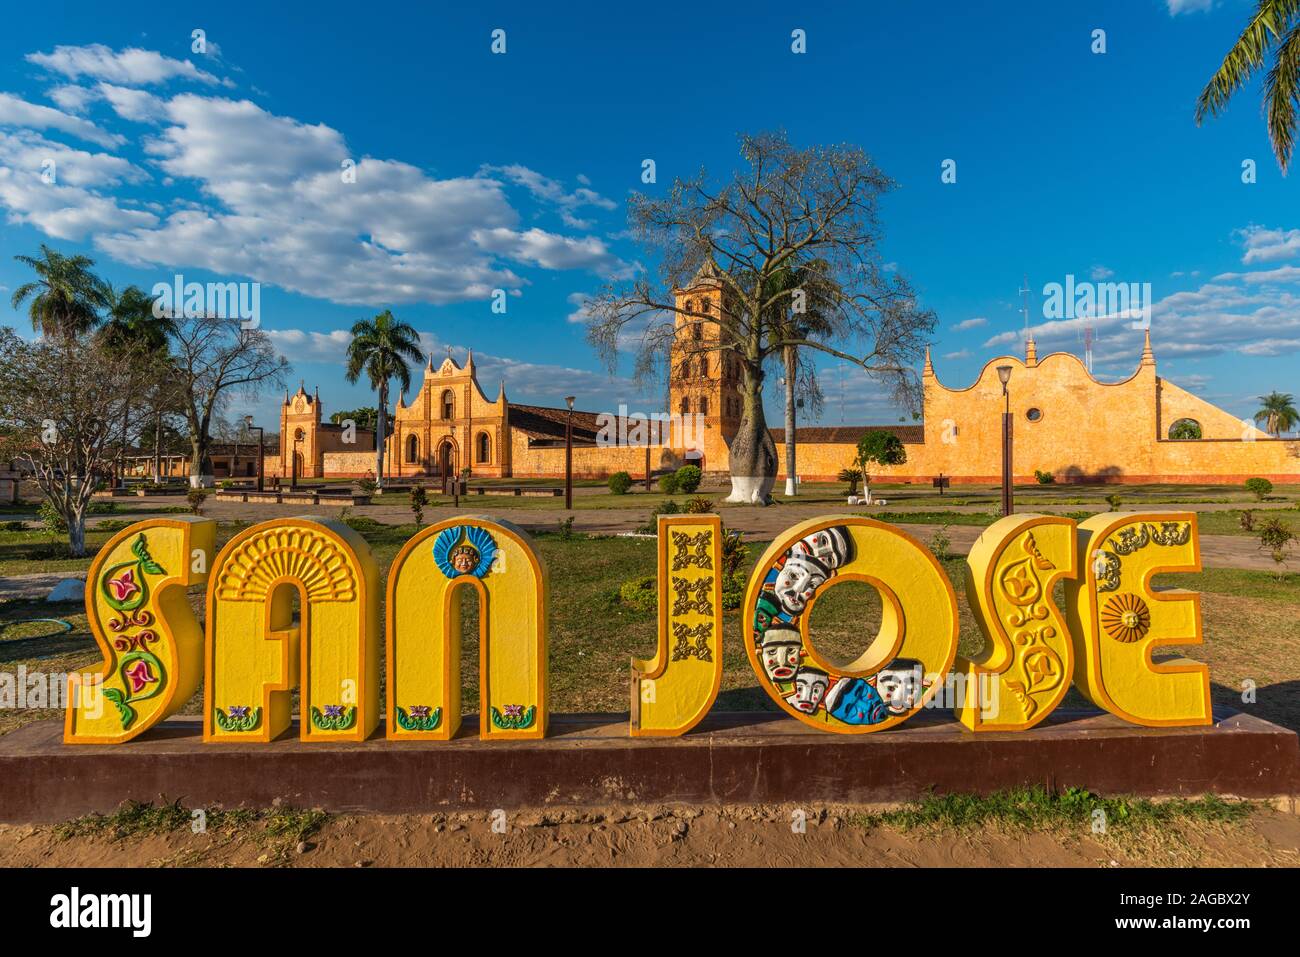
[479,171]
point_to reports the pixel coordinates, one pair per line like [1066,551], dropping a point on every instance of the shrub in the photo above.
[663,508]
[853,477]
[196,497]
[668,483]
[1259,487]
[419,499]
[641,593]
[1276,536]
[1113,501]
[698,505]
[619,483]
[50,518]
[367,485]
[688,479]
[1247,520]
[13,526]
[733,591]
[940,543]
[734,551]
[1044,478]
[566,529]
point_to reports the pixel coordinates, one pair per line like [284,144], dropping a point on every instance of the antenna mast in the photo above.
[1024,307]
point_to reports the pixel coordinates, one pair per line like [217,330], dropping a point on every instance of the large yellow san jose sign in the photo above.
[294,605]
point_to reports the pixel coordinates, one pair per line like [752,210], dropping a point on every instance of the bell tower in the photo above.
[703,379]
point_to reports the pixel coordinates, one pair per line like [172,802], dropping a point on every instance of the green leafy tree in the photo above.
[878,448]
[802,315]
[1277,412]
[1273,27]
[135,327]
[366,417]
[66,298]
[380,348]
[1185,429]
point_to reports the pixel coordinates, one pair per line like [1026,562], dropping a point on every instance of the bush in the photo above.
[13,526]
[664,508]
[641,593]
[734,551]
[698,505]
[366,485]
[1259,487]
[1113,501]
[619,483]
[51,520]
[853,476]
[733,591]
[941,544]
[196,497]
[1247,520]
[1276,537]
[1044,478]
[688,479]
[668,483]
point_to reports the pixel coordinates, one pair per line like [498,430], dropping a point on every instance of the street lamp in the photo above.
[261,448]
[568,456]
[297,437]
[1004,376]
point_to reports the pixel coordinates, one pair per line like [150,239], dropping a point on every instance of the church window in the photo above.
[483,447]
[686,404]
[412,449]
[697,332]
[704,367]
[448,405]
[704,405]
[1033,415]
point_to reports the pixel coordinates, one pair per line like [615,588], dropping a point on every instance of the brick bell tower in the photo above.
[703,380]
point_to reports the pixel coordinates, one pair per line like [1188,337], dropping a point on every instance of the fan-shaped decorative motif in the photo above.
[301,554]
[1126,618]
[464,550]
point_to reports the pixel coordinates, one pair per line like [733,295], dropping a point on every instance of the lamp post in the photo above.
[261,447]
[1004,376]
[568,456]
[297,437]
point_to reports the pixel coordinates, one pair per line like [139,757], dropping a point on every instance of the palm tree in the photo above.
[1274,25]
[1277,413]
[380,348]
[795,327]
[65,298]
[134,330]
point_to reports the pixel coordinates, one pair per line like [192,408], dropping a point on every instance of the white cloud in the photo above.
[1269,245]
[72,98]
[959,354]
[1099,272]
[1188,6]
[974,323]
[131,104]
[129,67]
[278,211]
[18,112]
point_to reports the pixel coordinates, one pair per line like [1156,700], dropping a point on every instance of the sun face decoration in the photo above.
[464,550]
[1126,618]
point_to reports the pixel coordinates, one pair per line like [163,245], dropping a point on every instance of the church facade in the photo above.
[1065,422]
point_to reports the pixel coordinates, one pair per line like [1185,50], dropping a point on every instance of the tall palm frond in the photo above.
[1275,25]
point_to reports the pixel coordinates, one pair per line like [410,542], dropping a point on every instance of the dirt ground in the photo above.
[671,837]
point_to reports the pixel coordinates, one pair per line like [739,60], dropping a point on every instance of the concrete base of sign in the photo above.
[590,760]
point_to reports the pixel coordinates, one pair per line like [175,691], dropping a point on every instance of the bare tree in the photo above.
[789,208]
[64,404]
[214,358]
